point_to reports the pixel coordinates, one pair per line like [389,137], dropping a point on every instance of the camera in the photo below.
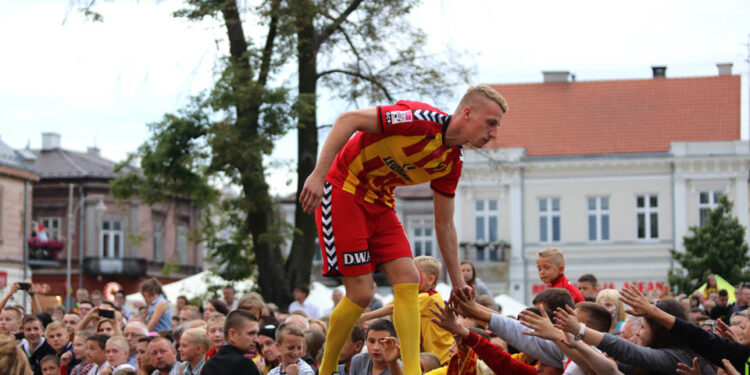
[24,286]
[109,314]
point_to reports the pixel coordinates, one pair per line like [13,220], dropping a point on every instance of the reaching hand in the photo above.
[541,325]
[390,349]
[684,369]
[261,364]
[639,305]
[465,306]
[570,341]
[65,358]
[728,368]
[312,193]
[446,319]
[566,320]
[722,329]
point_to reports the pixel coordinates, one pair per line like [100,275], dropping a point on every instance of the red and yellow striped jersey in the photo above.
[409,150]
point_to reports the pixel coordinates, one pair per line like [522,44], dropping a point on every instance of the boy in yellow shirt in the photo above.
[433,338]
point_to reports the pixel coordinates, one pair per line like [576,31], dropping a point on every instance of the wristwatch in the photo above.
[581,331]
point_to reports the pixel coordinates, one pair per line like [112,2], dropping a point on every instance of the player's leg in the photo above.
[404,276]
[395,259]
[342,231]
[359,293]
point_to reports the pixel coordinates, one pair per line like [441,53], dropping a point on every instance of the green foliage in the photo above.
[716,247]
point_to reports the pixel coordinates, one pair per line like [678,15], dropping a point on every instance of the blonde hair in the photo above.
[288,328]
[119,342]
[553,253]
[428,265]
[253,300]
[198,337]
[612,295]
[12,358]
[484,92]
[55,325]
[216,318]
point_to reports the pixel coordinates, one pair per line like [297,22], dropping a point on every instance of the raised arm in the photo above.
[383,311]
[348,123]
[4,301]
[445,230]
[92,315]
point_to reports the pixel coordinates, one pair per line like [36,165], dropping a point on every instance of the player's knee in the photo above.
[361,296]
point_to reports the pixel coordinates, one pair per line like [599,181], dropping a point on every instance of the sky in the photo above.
[101,84]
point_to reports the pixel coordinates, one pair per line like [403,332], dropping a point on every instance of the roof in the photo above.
[61,163]
[12,158]
[616,117]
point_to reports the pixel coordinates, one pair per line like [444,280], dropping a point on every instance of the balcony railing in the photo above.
[481,252]
[115,266]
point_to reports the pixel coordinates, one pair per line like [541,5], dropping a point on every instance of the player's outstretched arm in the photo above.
[365,120]
[445,230]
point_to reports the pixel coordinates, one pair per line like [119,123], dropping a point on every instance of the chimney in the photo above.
[556,76]
[659,71]
[50,141]
[725,69]
[93,150]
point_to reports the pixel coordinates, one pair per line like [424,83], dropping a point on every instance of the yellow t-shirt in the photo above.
[434,339]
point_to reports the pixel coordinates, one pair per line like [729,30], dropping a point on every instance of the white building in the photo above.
[611,172]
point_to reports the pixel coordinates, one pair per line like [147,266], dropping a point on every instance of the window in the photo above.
[486,216]
[549,219]
[182,242]
[158,235]
[51,227]
[598,218]
[110,239]
[422,241]
[707,201]
[647,211]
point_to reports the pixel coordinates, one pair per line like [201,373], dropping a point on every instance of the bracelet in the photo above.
[581,332]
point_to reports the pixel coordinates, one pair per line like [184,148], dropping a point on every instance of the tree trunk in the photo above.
[303,244]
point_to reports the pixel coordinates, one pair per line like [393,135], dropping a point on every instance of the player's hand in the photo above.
[312,192]
[292,369]
[66,358]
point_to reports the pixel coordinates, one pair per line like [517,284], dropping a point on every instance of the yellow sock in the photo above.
[406,321]
[340,325]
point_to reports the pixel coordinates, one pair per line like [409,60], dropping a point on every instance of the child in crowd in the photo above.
[117,356]
[95,352]
[353,346]
[610,299]
[215,325]
[382,351]
[79,353]
[434,339]
[550,263]
[50,365]
[291,342]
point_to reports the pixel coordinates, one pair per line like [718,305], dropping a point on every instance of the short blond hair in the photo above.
[198,337]
[428,265]
[119,342]
[482,92]
[55,325]
[288,328]
[553,253]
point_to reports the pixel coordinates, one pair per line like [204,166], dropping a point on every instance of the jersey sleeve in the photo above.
[446,185]
[400,119]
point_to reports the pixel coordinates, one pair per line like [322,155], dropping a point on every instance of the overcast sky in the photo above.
[102,83]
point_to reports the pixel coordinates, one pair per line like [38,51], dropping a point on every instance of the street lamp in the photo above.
[100,207]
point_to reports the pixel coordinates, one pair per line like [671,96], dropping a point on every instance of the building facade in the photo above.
[125,242]
[16,180]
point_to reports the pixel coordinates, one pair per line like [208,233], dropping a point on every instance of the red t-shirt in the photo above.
[563,282]
[409,150]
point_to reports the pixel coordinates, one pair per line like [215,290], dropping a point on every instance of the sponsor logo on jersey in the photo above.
[398,117]
[357,258]
[399,169]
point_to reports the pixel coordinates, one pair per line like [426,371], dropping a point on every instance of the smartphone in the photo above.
[24,286]
[19,335]
[109,314]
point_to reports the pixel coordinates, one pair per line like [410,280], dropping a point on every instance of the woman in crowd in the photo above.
[610,299]
[159,315]
[470,277]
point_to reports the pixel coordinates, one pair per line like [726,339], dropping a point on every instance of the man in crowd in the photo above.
[229,299]
[36,346]
[189,313]
[133,332]
[588,285]
[300,297]
[241,335]
[193,347]
[163,356]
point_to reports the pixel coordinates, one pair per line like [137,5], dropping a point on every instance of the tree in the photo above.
[718,246]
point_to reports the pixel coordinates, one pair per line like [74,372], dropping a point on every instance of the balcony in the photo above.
[115,266]
[484,252]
